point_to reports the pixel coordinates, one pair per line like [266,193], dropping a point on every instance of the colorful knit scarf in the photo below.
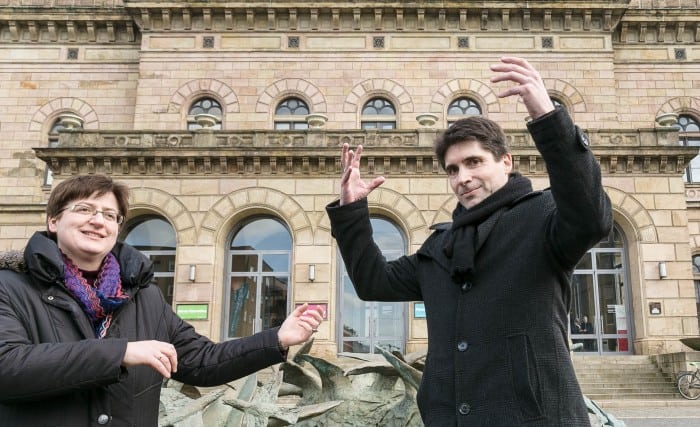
[102,299]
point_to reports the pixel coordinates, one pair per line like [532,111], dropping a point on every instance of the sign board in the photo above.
[419,310]
[193,311]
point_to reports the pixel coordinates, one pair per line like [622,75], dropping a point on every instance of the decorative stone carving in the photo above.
[427,120]
[206,121]
[71,121]
[316,121]
[667,119]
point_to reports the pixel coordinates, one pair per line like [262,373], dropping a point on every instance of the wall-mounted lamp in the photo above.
[193,272]
[663,273]
[312,272]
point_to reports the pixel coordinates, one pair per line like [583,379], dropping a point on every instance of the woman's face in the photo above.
[86,238]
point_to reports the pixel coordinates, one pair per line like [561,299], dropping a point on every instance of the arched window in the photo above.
[378,113]
[368,324]
[601,309]
[257,295]
[205,112]
[461,108]
[291,114]
[689,134]
[155,238]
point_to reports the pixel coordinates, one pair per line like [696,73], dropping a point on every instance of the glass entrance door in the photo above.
[366,324]
[599,322]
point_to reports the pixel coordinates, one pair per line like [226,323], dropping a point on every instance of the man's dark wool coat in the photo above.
[497,345]
[54,372]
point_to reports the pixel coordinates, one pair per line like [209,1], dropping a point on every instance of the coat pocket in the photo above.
[526,383]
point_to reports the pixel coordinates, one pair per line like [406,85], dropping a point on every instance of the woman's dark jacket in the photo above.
[497,345]
[54,372]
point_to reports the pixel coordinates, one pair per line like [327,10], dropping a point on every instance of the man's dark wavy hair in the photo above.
[475,128]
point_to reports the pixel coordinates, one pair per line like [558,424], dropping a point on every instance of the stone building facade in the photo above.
[226,119]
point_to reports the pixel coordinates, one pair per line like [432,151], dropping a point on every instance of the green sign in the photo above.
[193,311]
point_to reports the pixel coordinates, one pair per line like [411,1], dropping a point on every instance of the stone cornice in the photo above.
[659,26]
[68,24]
[311,153]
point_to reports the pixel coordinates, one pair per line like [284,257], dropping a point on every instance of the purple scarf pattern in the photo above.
[102,299]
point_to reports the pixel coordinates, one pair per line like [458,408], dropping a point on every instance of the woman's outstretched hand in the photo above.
[300,325]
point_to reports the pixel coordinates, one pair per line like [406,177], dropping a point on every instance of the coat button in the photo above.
[50,298]
[466,286]
[462,346]
[103,419]
[464,409]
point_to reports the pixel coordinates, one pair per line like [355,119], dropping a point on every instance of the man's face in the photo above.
[473,172]
[85,238]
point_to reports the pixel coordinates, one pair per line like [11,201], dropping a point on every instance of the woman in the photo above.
[84,339]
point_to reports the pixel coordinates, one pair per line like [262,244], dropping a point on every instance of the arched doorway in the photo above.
[366,324]
[155,238]
[257,294]
[600,311]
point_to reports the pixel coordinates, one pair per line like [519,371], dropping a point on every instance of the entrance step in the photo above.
[623,377]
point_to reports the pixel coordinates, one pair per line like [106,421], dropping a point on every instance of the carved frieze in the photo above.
[410,152]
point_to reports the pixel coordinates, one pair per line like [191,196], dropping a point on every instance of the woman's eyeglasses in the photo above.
[87,210]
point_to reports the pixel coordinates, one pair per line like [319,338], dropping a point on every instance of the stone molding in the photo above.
[277,153]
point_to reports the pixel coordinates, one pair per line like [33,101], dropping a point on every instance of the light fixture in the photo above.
[312,272]
[193,272]
[663,273]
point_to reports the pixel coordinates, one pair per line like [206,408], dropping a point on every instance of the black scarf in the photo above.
[461,242]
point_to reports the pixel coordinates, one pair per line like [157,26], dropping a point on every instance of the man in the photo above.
[84,339]
[496,283]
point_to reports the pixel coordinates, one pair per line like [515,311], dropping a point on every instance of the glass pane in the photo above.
[389,317]
[585,263]
[378,106]
[612,304]
[688,123]
[463,106]
[387,236]
[263,234]
[615,345]
[694,169]
[292,107]
[283,125]
[369,125]
[244,263]
[609,260]
[582,343]
[356,346]
[165,284]
[300,125]
[389,346]
[163,263]
[356,313]
[583,310]
[274,301]
[387,125]
[152,234]
[241,320]
[206,106]
[275,262]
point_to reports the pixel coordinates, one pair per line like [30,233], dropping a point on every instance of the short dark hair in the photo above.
[83,186]
[475,128]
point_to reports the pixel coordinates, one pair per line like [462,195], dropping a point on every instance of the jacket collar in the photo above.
[43,261]
[433,248]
